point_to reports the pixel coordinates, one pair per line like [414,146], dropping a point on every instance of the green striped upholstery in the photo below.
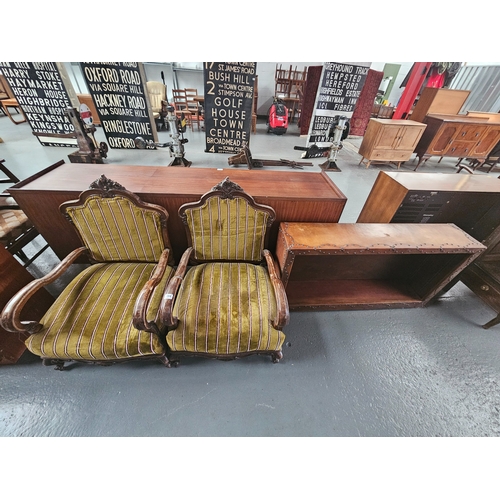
[225,308]
[92,318]
[135,235]
[227,229]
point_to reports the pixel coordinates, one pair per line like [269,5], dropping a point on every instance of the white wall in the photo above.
[396,92]
[266,72]
[190,75]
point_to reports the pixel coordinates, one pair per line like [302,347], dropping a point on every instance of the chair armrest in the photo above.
[10,318]
[282,310]
[139,319]
[168,300]
[164,107]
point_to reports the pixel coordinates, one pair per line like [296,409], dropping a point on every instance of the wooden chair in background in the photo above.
[288,84]
[194,106]
[7,104]
[8,101]
[181,106]
[16,230]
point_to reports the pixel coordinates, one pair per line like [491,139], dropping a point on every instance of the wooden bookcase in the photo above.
[369,266]
[472,202]
[390,141]
[439,101]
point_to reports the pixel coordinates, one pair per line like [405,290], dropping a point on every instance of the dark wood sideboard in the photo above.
[457,136]
[472,202]
[294,195]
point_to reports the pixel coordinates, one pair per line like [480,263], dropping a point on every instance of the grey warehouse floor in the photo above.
[421,372]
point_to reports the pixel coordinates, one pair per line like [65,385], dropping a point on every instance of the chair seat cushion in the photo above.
[225,309]
[92,318]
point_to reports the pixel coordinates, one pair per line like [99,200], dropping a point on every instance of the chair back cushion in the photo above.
[115,229]
[227,229]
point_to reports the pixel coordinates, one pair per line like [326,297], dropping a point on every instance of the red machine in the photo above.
[277,117]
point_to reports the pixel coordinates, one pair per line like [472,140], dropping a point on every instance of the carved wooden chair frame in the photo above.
[230,190]
[10,316]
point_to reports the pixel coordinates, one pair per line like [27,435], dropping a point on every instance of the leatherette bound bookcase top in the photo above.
[370,266]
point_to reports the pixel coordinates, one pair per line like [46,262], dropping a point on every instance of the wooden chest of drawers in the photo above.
[457,136]
[390,141]
[369,266]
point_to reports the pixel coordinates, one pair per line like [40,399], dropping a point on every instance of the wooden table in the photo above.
[294,195]
[369,266]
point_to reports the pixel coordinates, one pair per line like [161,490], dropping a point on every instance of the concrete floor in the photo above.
[416,372]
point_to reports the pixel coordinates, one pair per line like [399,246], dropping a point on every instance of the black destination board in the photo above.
[337,94]
[119,94]
[40,90]
[229,89]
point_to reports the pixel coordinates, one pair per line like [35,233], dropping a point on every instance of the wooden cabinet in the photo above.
[390,140]
[439,101]
[483,278]
[369,266]
[294,195]
[472,202]
[457,136]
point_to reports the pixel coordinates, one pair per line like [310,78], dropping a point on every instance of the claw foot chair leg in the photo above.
[276,356]
[59,364]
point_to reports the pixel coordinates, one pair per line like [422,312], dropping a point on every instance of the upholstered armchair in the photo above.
[109,311]
[231,302]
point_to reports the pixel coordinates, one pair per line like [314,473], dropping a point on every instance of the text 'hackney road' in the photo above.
[119,96]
